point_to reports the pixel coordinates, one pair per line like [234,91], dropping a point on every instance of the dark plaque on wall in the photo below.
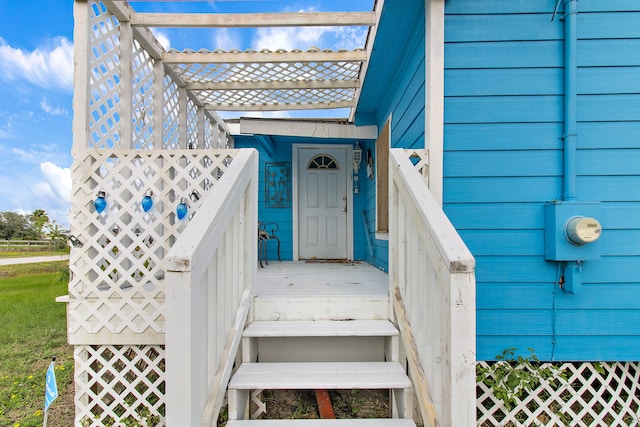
[278,185]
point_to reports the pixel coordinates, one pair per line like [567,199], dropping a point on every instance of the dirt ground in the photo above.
[287,404]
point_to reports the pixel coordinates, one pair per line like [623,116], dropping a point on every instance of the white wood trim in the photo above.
[262,57]
[126,85]
[434,92]
[252,20]
[295,148]
[309,128]
[81,75]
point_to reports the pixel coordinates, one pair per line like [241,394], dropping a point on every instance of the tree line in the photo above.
[31,226]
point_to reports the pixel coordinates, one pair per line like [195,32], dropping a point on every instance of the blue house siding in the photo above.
[394,88]
[503,161]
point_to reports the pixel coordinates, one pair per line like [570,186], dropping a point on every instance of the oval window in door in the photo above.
[323,161]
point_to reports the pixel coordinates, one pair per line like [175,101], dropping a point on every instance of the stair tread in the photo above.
[321,328]
[326,375]
[360,422]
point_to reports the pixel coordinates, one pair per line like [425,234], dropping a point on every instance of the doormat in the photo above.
[331,261]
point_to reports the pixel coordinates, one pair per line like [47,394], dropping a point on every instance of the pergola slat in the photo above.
[262,57]
[278,107]
[252,20]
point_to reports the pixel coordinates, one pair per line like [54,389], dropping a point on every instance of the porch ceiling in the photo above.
[265,80]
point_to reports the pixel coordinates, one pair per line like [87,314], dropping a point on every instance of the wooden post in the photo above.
[126,84]
[434,91]
[182,117]
[158,104]
[80,74]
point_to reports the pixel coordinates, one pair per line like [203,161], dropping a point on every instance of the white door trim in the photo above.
[294,194]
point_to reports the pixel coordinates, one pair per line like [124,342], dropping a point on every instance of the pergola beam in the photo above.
[278,107]
[252,20]
[310,128]
[262,57]
[275,85]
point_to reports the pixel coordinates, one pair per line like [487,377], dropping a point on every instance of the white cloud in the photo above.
[54,111]
[225,39]
[162,38]
[37,153]
[50,68]
[58,181]
[351,38]
[288,37]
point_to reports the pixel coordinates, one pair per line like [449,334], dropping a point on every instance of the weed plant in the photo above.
[32,331]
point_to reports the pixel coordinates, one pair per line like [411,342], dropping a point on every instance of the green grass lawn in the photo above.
[33,330]
[21,254]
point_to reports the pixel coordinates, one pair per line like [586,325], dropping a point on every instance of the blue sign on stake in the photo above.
[51,391]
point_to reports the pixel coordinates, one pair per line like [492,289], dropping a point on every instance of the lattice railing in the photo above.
[116,291]
[119,385]
[420,160]
[604,394]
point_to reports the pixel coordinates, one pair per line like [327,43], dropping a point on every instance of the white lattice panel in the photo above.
[220,98]
[119,385]
[192,124]
[171,134]
[275,71]
[104,78]
[142,94]
[588,398]
[116,291]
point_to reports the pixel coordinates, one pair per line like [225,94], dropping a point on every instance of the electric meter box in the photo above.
[572,231]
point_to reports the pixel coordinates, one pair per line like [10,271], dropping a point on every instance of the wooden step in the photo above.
[311,375]
[347,375]
[364,422]
[320,328]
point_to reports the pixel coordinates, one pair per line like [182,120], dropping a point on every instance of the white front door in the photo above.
[322,203]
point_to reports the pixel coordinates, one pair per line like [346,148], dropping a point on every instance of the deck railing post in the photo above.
[432,271]
[209,277]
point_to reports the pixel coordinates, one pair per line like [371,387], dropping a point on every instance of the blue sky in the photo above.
[36,82]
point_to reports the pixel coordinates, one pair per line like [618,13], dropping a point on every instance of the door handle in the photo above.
[344,209]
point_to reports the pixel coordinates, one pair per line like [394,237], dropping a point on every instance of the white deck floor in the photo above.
[302,279]
[321,291]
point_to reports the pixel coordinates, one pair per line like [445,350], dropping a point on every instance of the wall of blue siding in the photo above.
[394,88]
[503,162]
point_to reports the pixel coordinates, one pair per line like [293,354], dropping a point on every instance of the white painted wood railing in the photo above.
[210,274]
[432,279]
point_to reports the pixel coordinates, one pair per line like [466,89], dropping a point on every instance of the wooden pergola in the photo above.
[250,80]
